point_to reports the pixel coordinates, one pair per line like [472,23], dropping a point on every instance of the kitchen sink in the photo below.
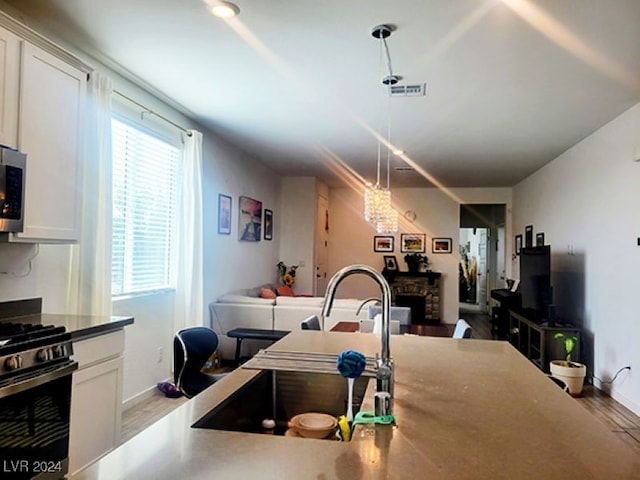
[281,395]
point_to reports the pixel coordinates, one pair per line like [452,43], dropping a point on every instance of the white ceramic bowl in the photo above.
[314,425]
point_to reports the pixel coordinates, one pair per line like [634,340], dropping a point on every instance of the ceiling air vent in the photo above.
[415,90]
[404,169]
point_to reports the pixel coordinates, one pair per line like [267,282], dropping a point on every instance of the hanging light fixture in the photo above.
[378,210]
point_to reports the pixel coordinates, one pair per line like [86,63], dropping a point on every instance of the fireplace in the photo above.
[417,305]
[418,291]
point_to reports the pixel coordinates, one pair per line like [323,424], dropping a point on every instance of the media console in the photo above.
[535,340]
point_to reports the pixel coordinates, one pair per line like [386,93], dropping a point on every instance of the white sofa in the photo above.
[246,309]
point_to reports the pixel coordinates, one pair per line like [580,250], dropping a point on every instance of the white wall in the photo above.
[47,277]
[351,238]
[297,229]
[586,201]
[229,263]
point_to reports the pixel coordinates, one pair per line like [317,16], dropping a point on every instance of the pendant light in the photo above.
[378,210]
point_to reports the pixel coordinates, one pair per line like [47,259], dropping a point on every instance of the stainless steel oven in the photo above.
[35,403]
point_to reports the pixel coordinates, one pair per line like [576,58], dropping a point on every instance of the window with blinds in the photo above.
[145,180]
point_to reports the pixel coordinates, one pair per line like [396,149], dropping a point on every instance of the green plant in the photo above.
[417,259]
[287,274]
[569,345]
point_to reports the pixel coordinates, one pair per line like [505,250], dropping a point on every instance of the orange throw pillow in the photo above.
[267,293]
[285,291]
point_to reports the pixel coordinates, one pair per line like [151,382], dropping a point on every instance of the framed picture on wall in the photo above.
[268,224]
[528,236]
[518,246]
[383,244]
[540,239]
[224,214]
[390,263]
[441,245]
[412,242]
[249,219]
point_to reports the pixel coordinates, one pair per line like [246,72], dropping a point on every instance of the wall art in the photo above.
[528,236]
[383,244]
[412,243]
[390,263]
[268,224]
[441,245]
[249,219]
[224,214]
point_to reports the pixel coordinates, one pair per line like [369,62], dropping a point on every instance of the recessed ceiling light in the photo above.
[223,9]
[398,152]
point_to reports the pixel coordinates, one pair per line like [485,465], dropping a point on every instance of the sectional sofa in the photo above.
[247,309]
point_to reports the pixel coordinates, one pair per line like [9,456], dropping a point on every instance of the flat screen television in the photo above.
[535,279]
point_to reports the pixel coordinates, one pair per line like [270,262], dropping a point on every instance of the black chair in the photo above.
[311,323]
[192,347]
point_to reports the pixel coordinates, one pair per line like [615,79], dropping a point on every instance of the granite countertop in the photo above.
[28,311]
[465,409]
[80,326]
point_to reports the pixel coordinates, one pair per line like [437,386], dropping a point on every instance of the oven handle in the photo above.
[32,381]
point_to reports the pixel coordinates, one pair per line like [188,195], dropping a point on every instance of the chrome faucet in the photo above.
[384,364]
[364,302]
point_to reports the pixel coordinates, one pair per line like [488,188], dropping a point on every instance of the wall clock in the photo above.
[410,215]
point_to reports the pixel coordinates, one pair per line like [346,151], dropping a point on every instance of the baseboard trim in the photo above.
[618,397]
[142,396]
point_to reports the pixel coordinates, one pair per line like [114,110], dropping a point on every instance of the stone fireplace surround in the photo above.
[419,291]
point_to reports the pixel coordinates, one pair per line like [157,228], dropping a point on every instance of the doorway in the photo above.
[473,269]
[321,244]
[482,255]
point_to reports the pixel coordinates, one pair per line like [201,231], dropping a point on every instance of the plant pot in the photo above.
[573,376]
[413,267]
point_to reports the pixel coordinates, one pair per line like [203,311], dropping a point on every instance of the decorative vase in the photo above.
[572,376]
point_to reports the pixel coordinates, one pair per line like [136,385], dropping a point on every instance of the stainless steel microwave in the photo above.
[12,172]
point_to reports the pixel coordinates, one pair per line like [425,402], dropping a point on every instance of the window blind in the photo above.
[145,180]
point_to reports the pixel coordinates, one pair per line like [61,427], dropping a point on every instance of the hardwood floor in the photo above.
[146,413]
[619,419]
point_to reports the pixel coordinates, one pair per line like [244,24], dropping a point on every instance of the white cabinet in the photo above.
[49,131]
[42,102]
[9,68]
[96,399]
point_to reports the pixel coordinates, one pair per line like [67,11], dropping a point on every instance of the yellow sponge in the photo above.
[345,429]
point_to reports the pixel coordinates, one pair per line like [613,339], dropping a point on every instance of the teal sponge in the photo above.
[351,364]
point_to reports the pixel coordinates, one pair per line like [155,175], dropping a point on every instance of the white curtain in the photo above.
[90,270]
[189,297]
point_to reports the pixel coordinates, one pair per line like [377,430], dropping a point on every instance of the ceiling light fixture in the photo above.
[378,210]
[223,9]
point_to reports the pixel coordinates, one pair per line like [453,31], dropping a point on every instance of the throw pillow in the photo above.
[285,291]
[267,293]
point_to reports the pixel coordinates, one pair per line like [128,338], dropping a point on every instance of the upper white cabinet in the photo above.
[42,102]
[9,68]
[51,105]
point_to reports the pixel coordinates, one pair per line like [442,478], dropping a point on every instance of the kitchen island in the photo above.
[465,409]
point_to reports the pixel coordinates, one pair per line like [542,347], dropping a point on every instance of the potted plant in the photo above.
[570,372]
[416,262]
